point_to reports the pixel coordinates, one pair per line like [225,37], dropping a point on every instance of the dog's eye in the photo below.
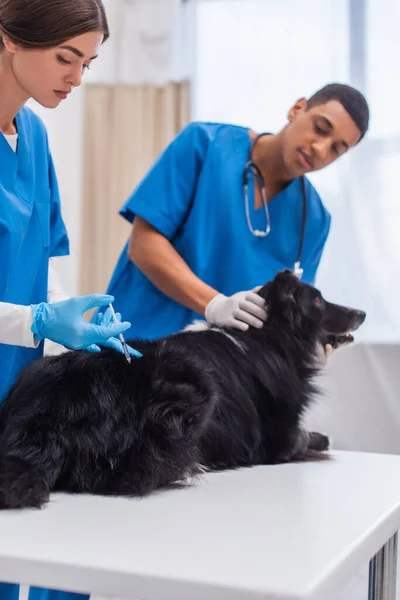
[318,302]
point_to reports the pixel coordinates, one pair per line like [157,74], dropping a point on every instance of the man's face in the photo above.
[316,137]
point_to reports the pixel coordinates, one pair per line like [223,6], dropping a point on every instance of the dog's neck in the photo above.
[306,346]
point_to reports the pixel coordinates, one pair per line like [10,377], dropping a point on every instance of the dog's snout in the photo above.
[341,319]
[361,315]
[358,319]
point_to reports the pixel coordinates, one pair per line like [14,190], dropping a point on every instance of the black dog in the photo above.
[211,399]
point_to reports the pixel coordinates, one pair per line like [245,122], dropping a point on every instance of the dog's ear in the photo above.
[282,287]
[280,297]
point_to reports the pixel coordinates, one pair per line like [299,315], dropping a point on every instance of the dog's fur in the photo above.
[211,399]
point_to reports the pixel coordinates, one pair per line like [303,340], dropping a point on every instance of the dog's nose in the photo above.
[360,316]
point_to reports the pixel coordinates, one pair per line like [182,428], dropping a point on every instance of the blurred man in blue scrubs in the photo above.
[207,229]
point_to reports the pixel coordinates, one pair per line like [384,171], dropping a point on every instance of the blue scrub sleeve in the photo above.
[163,198]
[43,594]
[9,591]
[313,261]
[59,243]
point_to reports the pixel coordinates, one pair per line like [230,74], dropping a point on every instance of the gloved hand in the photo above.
[112,342]
[322,354]
[63,323]
[239,311]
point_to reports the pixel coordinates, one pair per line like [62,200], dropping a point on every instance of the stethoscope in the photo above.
[297,270]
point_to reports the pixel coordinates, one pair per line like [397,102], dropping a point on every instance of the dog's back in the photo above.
[93,423]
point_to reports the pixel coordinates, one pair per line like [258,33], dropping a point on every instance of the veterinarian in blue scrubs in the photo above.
[45,46]
[199,237]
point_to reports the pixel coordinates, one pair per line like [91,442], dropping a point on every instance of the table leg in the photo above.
[383,572]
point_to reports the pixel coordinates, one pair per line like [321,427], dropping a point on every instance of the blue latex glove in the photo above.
[63,323]
[112,342]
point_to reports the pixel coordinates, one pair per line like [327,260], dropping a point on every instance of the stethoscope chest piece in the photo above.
[261,234]
[297,270]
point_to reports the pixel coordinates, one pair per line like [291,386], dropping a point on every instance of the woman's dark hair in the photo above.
[34,24]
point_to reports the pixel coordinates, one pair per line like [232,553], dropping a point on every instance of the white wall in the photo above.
[256,57]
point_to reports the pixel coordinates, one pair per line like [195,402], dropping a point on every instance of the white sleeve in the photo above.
[55,292]
[15,325]
[16,320]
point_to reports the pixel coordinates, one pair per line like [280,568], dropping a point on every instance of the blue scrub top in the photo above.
[194,196]
[31,229]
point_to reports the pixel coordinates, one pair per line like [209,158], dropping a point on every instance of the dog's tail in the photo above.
[21,484]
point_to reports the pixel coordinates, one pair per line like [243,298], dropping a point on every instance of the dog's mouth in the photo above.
[339,340]
[339,323]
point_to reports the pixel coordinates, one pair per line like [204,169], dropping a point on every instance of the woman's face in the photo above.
[50,74]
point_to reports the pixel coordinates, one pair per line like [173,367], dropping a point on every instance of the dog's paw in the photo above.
[319,441]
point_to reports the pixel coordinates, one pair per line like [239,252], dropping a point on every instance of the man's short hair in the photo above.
[351,99]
